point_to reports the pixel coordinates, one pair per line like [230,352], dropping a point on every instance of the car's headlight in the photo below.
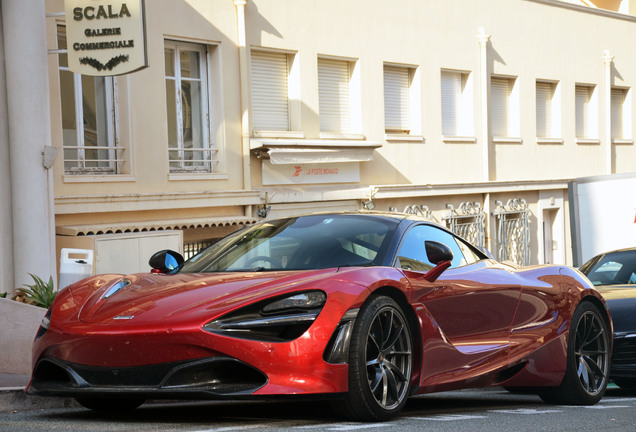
[278,320]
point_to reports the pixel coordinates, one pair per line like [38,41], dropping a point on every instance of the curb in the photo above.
[16,399]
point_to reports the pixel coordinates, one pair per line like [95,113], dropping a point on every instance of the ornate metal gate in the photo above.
[467,221]
[512,240]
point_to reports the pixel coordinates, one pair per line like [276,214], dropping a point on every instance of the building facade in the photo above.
[474,114]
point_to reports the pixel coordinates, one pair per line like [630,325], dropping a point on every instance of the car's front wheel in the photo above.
[380,362]
[588,354]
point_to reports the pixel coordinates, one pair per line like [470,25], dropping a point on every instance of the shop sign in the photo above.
[334,172]
[105,37]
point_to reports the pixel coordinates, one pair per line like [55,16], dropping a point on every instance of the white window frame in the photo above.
[209,158]
[402,102]
[504,109]
[338,97]
[586,113]
[548,111]
[457,106]
[621,114]
[109,96]
[275,83]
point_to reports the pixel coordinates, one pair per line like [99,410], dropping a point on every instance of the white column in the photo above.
[245,97]
[29,125]
[483,39]
[607,62]
[6,218]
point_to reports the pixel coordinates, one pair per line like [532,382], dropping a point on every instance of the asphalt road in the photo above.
[461,411]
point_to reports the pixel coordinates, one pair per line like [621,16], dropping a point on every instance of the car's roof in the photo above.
[371,213]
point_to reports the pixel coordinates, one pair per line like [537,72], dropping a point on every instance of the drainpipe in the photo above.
[483,39]
[245,98]
[607,62]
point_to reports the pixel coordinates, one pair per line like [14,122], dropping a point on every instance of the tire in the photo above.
[380,363]
[109,404]
[587,370]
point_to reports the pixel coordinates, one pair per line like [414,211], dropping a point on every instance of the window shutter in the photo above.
[270,96]
[544,109]
[451,102]
[397,101]
[618,97]
[582,103]
[333,87]
[500,93]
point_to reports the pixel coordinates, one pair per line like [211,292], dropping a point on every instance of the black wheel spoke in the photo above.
[388,357]
[591,353]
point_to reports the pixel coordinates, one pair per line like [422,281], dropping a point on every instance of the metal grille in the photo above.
[467,221]
[193,248]
[513,242]
[419,210]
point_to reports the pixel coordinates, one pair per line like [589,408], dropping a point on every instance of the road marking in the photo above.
[450,417]
[601,407]
[235,428]
[344,426]
[526,411]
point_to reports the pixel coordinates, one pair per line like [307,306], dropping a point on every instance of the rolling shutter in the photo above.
[544,109]
[618,97]
[500,95]
[582,103]
[397,100]
[270,96]
[333,86]
[451,102]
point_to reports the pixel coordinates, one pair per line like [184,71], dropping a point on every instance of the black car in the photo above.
[614,274]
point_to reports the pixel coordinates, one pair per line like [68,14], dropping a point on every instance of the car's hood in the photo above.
[621,300]
[185,297]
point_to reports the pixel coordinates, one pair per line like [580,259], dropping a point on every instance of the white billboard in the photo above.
[602,214]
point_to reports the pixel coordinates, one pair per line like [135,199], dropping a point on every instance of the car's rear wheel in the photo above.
[587,370]
[380,362]
[109,404]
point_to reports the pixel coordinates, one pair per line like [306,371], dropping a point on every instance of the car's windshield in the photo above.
[616,268]
[303,243]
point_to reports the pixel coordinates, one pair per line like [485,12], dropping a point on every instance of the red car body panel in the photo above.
[475,322]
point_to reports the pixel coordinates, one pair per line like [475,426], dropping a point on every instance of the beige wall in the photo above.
[530,40]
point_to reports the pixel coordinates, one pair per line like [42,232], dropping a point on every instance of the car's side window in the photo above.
[412,254]
[469,255]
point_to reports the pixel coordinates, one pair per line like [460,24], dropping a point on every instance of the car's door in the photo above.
[473,302]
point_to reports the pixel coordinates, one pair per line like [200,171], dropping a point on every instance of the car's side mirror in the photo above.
[440,255]
[165,261]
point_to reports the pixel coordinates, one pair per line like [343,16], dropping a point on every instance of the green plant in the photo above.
[39,293]
[3,295]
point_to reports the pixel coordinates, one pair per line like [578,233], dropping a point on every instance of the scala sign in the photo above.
[105,37]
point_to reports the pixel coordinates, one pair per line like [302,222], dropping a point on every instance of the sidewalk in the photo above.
[14,398]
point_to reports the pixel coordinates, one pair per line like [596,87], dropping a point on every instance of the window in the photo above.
[89,119]
[548,118]
[457,109]
[620,113]
[505,107]
[336,95]
[270,91]
[585,107]
[412,254]
[401,100]
[187,101]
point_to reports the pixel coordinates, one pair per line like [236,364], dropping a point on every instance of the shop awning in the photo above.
[149,226]
[290,151]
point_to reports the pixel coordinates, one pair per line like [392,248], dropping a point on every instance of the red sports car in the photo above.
[363,308]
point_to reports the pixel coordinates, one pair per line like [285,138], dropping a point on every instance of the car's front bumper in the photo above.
[623,364]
